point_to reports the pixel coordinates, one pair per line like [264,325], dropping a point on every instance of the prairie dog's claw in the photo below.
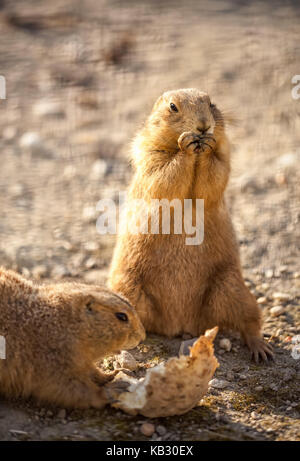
[195,143]
[186,140]
[259,349]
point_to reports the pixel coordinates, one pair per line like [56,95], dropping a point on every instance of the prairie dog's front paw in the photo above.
[207,144]
[115,388]
[187,142]
[195,143]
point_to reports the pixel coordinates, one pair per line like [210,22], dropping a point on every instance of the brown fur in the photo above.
[177,288]
[55,333]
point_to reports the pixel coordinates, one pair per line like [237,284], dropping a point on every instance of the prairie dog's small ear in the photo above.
[157,103]
[89,302]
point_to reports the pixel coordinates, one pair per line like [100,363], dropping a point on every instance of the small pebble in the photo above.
[243,377]
[48,109]
[259,388]
[287,161]
[248,183]
[62,413]
[277,310]
[91,263]
[19,434]
[91,246]
[282,269]
[185,346]
[99,170]
[230,375]
[59,272]
[218,416]
[262,300]
[30,140]
[218,383]
[278,296]
[269,273]
[17,190]
[280,178]
[25,272]
[147,429]
[225,344]
[126,360]
[89,213]
[161,430]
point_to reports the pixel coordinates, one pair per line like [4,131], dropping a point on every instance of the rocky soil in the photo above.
[80,78]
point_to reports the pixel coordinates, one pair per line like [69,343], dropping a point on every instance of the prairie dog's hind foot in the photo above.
[259,348]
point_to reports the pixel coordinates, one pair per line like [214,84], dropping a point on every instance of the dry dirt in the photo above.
[81,76]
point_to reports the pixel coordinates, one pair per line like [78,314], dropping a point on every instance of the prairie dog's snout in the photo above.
[135,340]
[205,122]
[206,125]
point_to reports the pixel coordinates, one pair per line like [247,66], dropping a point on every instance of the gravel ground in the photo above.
[81,76]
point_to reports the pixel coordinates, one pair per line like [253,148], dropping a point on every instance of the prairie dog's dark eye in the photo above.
[121,316]
[173,107]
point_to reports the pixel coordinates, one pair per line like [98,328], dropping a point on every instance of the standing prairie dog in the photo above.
[182,152]
[54,334]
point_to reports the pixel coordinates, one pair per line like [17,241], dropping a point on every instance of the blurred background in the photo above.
[81,76]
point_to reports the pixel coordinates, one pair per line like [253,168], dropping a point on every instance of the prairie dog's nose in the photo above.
[203,130]
[203,125]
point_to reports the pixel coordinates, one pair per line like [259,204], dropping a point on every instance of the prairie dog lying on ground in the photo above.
[55,333]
